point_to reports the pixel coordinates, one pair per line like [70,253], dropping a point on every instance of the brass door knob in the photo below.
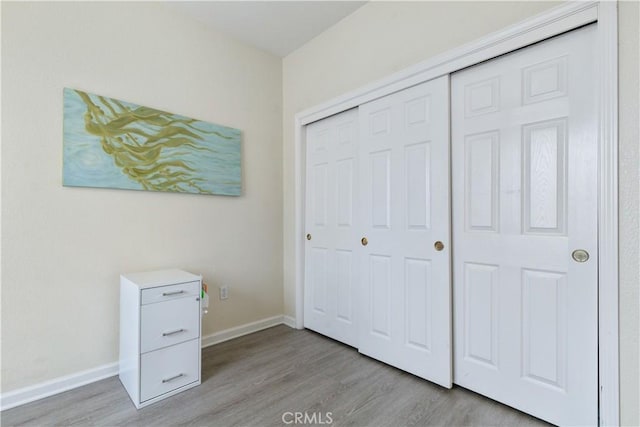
[580,255]
[438,245]
[308,236]
[364,241]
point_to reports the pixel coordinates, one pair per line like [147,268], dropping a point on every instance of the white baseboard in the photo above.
[289,321]
[59,385]
[238,331]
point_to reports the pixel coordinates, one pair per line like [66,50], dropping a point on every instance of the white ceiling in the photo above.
[279,27]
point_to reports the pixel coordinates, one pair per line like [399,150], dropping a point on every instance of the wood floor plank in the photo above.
[255,379]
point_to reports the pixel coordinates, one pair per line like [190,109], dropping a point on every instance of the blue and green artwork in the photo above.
[115,144]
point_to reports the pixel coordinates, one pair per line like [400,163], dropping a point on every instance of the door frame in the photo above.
[550,23]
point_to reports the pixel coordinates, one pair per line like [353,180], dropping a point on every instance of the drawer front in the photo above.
[167,369]
[169,323]
[167,293]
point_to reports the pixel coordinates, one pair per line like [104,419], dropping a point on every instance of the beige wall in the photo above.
[383,37]
[63,248]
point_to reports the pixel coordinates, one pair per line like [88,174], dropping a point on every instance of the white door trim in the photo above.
[537,28]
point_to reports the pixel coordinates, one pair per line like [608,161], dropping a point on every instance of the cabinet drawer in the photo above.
[167,293]
[169,323]
[167,369]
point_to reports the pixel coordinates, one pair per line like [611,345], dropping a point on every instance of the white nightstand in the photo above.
[159,334]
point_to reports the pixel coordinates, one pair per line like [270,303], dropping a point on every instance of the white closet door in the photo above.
[331,252]
[524,159]
[405,303]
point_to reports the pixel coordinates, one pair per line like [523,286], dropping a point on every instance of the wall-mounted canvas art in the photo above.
[115,144]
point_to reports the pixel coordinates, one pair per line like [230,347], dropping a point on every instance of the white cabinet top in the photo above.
[150,279]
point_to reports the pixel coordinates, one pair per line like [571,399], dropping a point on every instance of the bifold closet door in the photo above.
[525,254]
[404,302]
[332,245]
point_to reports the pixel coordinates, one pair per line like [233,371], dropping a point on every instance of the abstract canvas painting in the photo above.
[115,144]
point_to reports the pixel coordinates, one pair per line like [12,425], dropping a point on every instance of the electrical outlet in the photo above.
[224,292]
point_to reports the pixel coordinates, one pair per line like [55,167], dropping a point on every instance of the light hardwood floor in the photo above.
[255,379]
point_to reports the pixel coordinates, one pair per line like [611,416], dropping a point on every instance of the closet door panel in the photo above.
[331,251]
[524,168]
[404,300]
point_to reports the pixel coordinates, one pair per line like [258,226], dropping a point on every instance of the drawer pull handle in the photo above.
[166,294]
[177,331]
[166,380]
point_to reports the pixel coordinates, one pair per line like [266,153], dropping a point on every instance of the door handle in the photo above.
[364,241]
[580,255]
[438,245]
[308,236]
